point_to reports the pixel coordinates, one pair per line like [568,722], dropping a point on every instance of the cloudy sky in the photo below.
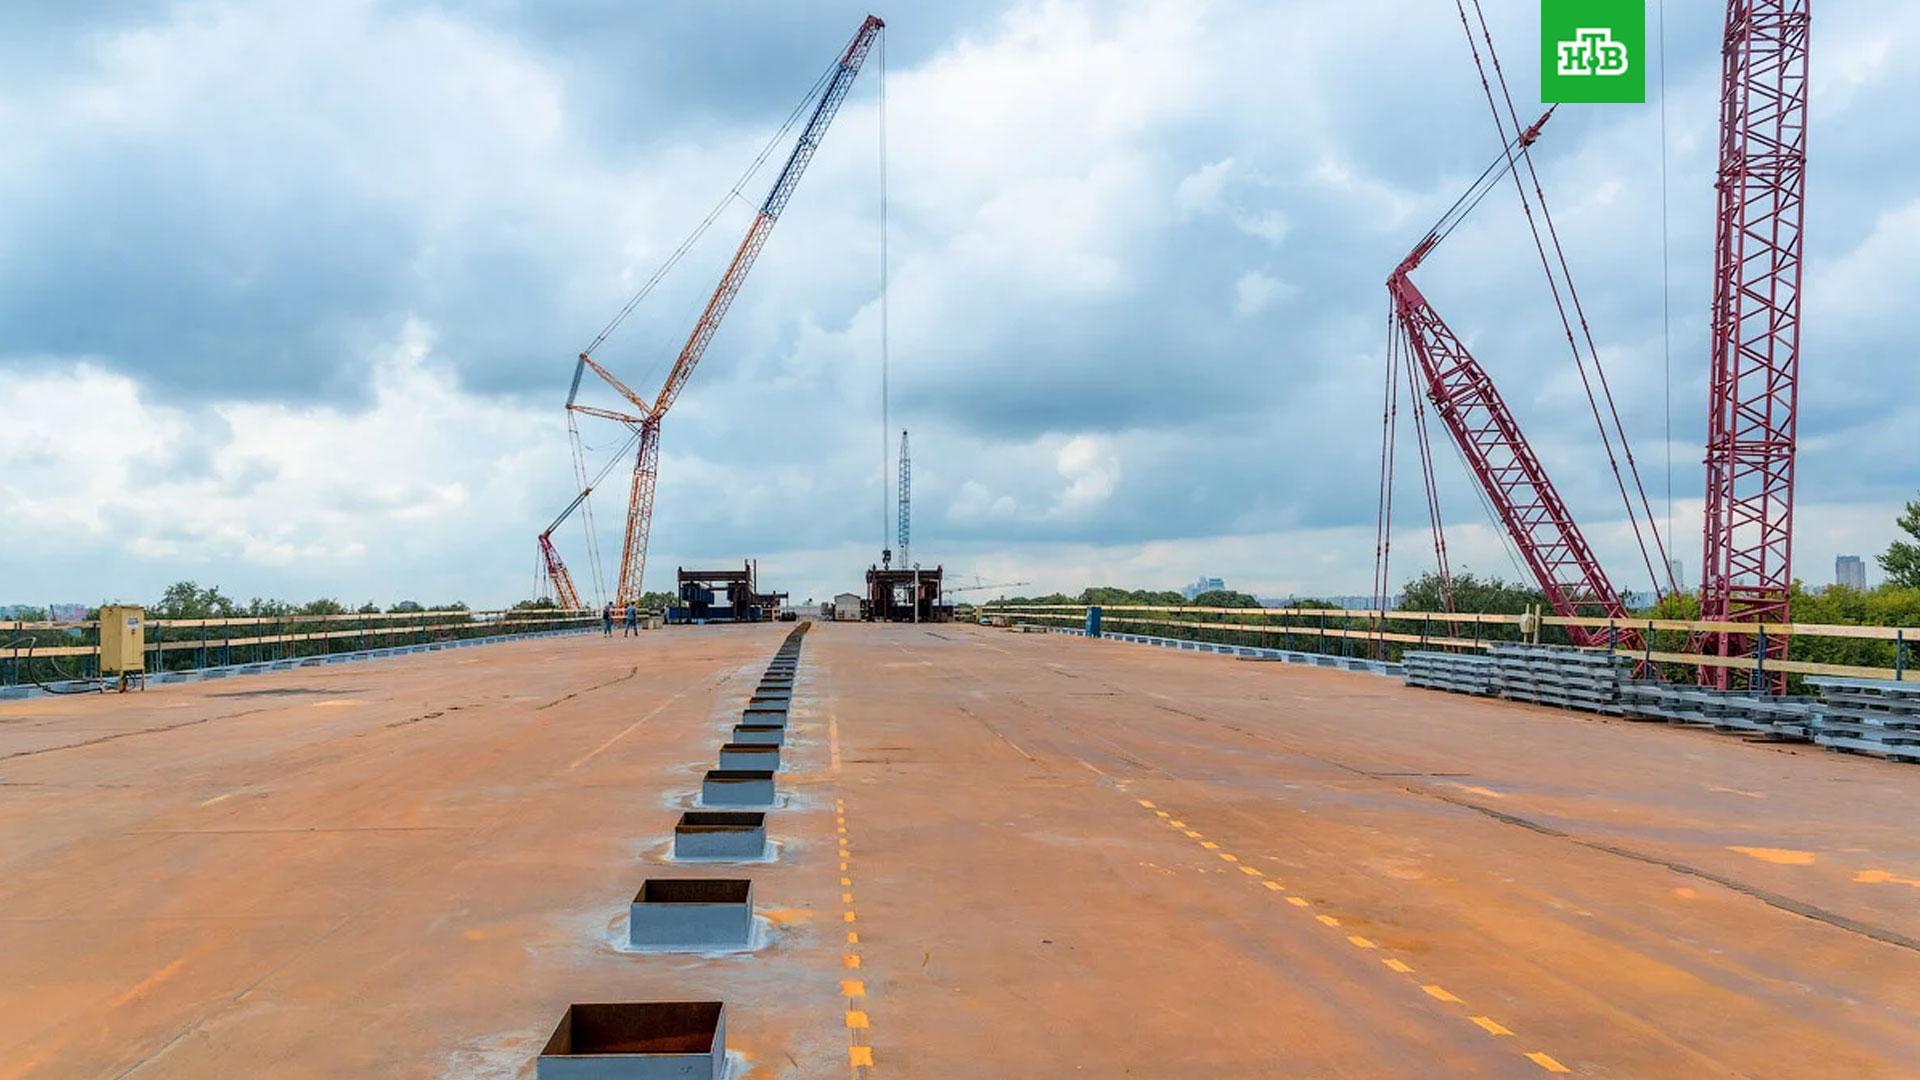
[289,293]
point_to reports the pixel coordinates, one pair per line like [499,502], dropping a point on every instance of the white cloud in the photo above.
[1255,292]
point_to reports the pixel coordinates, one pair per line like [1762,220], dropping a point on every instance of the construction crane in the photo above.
[906,502]
[645,419]
[1754,377]
[1516,484]
[1510,475]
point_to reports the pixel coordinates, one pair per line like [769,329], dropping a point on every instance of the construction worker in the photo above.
[606,620]
[633,620]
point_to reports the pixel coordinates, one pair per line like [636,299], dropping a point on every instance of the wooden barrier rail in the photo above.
[1309,622]
[507,621]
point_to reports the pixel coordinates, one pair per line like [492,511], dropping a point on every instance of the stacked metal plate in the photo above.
[1462,673]
[1722,710]
[1876,716]
[1569,678]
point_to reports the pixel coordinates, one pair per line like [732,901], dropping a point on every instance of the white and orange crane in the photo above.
[644,422]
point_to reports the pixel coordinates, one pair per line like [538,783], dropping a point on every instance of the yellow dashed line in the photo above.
[1432,990]
[859,1051]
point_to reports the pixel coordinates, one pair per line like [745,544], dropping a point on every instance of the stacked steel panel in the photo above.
[1876,716]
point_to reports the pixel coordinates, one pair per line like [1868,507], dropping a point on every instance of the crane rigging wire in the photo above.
[660,273]
[1554,285]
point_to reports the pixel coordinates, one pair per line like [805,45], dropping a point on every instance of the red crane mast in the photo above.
[1754,378]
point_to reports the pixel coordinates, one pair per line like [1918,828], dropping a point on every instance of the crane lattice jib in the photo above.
[1754,375]
[564,593]
[1515,481]
[906,502]
[646,472]
[775,202]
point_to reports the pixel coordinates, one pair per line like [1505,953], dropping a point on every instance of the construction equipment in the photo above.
[906,503]
[1754,379]
[1510,475]
[645,419]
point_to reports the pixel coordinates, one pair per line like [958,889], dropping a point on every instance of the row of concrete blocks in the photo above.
[1244,652]
[677,1040]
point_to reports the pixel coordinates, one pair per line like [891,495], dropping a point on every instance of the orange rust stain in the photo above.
[140,988]
[1781,856]
[1882,877]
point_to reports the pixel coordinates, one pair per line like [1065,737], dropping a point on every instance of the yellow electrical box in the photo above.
[123,639]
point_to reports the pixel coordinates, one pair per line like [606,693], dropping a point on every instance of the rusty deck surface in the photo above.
[1063,858]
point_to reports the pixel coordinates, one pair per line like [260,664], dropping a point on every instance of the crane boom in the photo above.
[646,468]
[1512,476]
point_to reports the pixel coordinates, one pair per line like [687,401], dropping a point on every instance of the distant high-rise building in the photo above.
[1201,585]
[1850,572]
[1678,570]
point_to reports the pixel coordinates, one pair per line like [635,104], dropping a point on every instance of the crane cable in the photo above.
[1553,283]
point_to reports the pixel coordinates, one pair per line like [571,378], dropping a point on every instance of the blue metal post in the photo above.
[1093,621]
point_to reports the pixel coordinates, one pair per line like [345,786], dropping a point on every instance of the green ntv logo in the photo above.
[1593,50]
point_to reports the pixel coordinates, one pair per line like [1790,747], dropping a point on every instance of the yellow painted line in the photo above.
[1229,858]
[843,866]
[849,916]
[1274,885]
[856,1018]
[1780,856]
[851,960]
[1162,813]
[1297,901]
[1328,919]
[1398,965]
[846,898]
[860,1055]
[842,829]
[1177,824]
[1439,993]
[853,937]
[1191,833]
[1208,844]
[1251,872]
[215,799]
[1491,1026]
[846,881]
[1145,803]
[1360,942]
[853,988]
[1546,1062]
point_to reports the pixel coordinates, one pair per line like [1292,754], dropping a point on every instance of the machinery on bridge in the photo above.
[647,414]
[1753,384]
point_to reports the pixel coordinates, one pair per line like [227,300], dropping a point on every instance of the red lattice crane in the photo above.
[647,414]
[1516,484]
[1754,378]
